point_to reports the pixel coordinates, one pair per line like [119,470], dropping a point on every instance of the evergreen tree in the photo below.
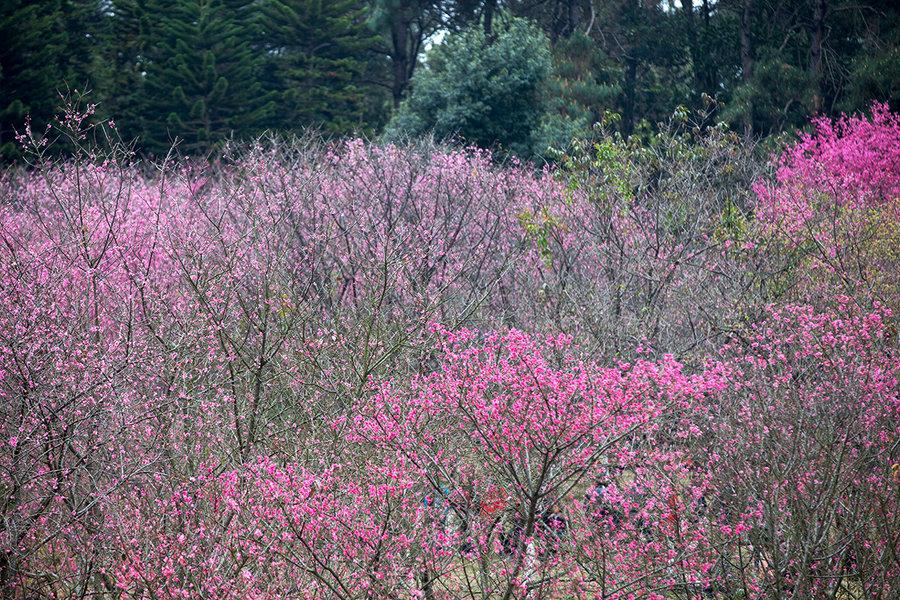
[29,68]
[485,89]
[643,48]
[81,23]
[874,71]
[122,63]
[318,51]
[205,70]
[812,56]
[202,77]
[584,85]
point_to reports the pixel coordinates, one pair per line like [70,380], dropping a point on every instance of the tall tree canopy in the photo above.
[203,78]
[318,53]
[207,70]
[48,47]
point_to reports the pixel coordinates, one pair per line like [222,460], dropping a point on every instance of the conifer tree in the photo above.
[29,71]
[121,64]
[202,78]
[80,23]
[319,53]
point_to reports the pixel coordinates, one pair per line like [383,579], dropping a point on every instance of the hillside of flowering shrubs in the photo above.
[357,371]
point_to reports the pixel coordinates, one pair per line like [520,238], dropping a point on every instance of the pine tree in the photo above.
[584,85]
[121,64]
[318,50]
[29,71]
[81,22]
[202,77]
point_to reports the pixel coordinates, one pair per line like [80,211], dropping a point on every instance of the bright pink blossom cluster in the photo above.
[852,163]
[834,202]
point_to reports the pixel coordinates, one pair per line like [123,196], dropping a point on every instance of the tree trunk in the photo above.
[630,94]
[710,65]
[699,84]
[747,60]
[399,60]
[490,7]
[815,52]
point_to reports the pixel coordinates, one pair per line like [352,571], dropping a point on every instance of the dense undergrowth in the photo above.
[360,371]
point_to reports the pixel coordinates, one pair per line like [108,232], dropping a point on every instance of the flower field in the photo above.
[352,370]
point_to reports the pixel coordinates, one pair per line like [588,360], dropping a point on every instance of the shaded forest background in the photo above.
[518,75]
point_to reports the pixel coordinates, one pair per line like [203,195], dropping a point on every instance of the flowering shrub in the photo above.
[834,202]
[852,163]
[229,381]
[409,507]
[528,418]
[264,530]
[804,450]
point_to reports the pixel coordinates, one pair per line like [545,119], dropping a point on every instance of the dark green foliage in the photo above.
[122,64]
[804,56]
[874,71]
[584,84]
[80,23]
[482,89]
[207,70]
[29,69]
[873,76]
[813,56]
[202,78]
[778,96]
[318,55]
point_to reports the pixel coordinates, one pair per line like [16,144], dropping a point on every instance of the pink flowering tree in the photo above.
[508,432]
[834,204]
[478,479]
[79,412]
[265,530]
[225,380]
[803,452]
